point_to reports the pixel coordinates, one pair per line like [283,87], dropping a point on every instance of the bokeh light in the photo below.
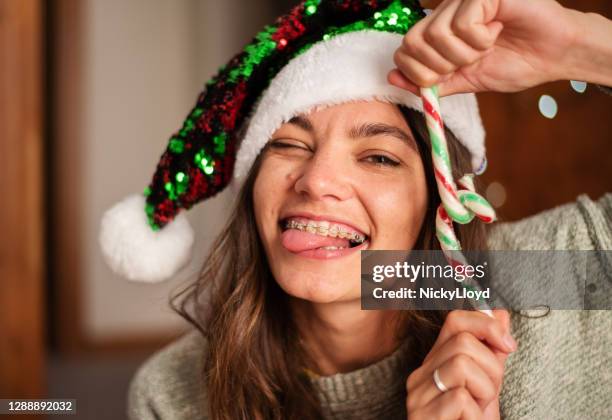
[578,86]
[548,106]
[496,194]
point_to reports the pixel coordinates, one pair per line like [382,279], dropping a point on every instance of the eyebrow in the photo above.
[363,130]
[302,122]
[381,129]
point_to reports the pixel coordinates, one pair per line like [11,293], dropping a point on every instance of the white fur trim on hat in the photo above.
[348,67]
[135,251]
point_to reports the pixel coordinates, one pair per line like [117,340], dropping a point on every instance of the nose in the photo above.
[325,176]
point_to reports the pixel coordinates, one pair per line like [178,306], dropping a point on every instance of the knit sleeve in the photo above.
[582,225]
[561,367]
[140,402]
[168,386]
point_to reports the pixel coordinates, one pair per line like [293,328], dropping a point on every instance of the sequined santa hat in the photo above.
[323,52]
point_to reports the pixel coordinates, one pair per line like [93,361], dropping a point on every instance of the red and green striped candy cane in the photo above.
[461,204]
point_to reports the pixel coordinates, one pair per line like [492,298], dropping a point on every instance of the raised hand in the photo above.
[496,45]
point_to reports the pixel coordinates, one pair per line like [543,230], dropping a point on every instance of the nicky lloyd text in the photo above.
[431,293]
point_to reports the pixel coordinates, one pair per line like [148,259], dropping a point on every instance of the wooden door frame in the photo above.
[22,268]
[65,220]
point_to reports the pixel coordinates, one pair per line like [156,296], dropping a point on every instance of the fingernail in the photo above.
[510,342]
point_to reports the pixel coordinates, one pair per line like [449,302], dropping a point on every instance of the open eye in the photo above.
[381,160]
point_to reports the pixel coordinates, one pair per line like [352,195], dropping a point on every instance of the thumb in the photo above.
[495,29]
[448,85]
[397,78]
[503,316]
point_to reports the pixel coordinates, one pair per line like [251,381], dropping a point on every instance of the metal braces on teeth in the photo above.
[333,231]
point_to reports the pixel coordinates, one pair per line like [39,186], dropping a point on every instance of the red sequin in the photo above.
[289,27]
[232,106]
[165,212]
[198,187]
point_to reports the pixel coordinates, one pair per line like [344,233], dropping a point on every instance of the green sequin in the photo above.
[255,53]
[394,18]
[200,159]
[176,145]
[147,191]
[310,6]
[182,183]
[172,195]
[220,141]
[204,162]
[150,209]
[398,16]
[188,126]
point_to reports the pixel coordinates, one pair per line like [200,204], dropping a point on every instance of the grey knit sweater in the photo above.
[562,369]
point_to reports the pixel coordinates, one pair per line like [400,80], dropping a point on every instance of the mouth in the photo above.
[321,239]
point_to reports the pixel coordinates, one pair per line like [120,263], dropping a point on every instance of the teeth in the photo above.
[324,228]
[332,248]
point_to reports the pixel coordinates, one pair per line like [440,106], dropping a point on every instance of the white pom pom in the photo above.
[135,251]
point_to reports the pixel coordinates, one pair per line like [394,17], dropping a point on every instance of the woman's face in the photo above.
[331,183]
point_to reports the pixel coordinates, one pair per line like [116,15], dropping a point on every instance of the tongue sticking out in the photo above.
[297,241]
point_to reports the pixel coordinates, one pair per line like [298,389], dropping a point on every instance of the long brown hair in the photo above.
[254,364]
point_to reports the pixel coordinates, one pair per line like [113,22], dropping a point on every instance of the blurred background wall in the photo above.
[116,79]
[139,69]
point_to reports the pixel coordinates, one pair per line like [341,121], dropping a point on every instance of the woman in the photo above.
[281,330]
[378,185]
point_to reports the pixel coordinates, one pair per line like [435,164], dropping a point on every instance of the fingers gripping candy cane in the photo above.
[459,205]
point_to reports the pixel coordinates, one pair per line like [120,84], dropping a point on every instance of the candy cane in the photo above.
[459,205]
